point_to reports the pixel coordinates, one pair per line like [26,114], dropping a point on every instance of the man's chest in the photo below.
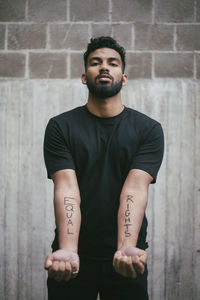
[110,141]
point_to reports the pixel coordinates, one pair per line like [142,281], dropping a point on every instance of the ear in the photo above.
[124,79]
[83,78]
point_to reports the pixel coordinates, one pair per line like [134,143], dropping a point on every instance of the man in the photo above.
[101,157]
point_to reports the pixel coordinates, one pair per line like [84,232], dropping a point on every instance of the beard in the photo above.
[104,90]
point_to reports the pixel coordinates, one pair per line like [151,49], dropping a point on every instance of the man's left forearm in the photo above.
[131,212]
[128,260]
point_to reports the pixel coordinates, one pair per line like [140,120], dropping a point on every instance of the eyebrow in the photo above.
[109,59]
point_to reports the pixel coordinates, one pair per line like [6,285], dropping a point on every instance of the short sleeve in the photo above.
[149,154]
[57,156]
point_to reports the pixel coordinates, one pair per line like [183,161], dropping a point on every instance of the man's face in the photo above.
[104,76]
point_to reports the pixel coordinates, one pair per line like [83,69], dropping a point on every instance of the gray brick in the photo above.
[138,65]
[2,36]
[47,10]
[198,66]
[188,37]
[77,65]
[12,65]
[174,10]
[174,65]
[132,10]
[12,10]
[64,36]
[123,34]
[153,37]
[101,30]
[26,36]
[47,65]
[89,10]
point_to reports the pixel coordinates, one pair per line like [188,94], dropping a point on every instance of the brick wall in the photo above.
[46,38]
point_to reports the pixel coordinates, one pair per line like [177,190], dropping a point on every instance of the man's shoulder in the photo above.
[69,114]
[140,117]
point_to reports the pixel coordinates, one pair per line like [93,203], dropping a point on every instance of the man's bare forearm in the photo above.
[68,218]
[129,261]
[130,215]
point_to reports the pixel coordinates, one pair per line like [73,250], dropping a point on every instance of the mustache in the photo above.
[104,73]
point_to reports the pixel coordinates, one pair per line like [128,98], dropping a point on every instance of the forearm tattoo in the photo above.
[127,219]
[69,211]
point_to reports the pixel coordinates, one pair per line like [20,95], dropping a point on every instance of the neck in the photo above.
[108,107]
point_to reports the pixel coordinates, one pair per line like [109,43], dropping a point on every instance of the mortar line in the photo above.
[6,37]
[153,66]
[110,11]
[195,10]
[89,31]
[58,51]
[175,38]
[102,22]
[68,10]
[26,10]
[153,12]
[68,67]
[26,73]
[133,36]
[48,37]
[195,67]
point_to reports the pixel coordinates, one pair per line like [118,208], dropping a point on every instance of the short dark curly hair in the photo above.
[104,42]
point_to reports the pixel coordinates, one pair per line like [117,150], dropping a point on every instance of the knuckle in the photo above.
[55,268]
[67,272]
[62,267]
[117,258]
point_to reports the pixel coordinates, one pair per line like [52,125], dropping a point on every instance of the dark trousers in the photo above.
[98,277]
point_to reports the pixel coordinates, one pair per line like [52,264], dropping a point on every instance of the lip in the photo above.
[104,77]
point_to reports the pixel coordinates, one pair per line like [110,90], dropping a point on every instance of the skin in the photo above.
[63,264]
[128,260]
[109,61]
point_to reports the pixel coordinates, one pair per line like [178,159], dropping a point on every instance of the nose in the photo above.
[104,67]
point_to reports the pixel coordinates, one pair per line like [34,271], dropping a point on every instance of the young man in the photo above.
[101,157]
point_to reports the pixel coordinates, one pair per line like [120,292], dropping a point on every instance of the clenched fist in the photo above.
[62,265]
[130,262]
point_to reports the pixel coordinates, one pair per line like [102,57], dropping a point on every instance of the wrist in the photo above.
[126,243]
[68,247]
[69,250]
[66,243]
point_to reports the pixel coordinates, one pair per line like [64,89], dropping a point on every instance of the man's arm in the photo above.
[63,263]
[129,260]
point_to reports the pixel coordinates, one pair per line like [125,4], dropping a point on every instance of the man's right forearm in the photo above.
[68,218]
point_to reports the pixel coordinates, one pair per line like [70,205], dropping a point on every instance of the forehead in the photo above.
[105,53]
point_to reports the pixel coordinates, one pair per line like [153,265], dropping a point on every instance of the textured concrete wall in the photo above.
[26,206]
[41,46]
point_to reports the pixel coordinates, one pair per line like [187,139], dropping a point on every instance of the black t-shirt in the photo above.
[102,151]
